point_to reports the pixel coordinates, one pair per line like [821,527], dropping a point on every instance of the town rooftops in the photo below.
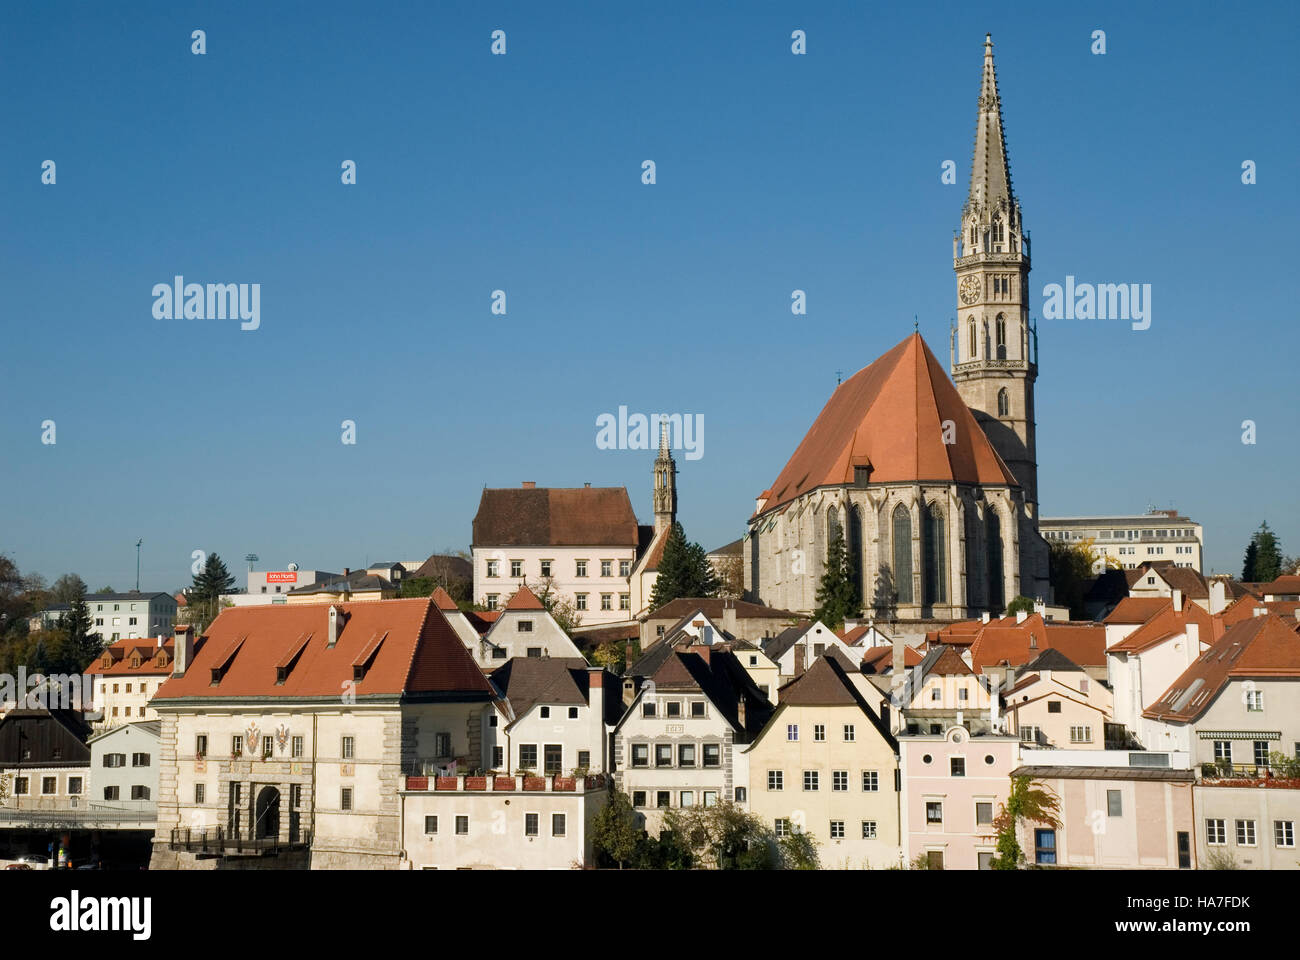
[134,658]
[1105,773]
[885,425]
[1052,659]
[1263,647]
[1282,586]
[826,684]
[1136,609]
[881,659]
[443,601]
[555,516]
[1168,622]
[384,649]
[1014,644]
[561,681]
[354,581]
[524,599]
[712,608]
[130,595]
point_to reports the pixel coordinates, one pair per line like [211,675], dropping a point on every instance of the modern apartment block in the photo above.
[130,616]
[1131,540]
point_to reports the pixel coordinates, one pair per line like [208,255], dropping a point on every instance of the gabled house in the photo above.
[124,768]
[126,675]
[944,691]
[827,764]
[697,628]
[44,754]
[796,648]
[688,709]
[1054,703]
[740,618]
[523,629]
[1000,647]
[287,731]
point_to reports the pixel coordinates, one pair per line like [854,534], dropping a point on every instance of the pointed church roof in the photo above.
[889,417]
[990,173]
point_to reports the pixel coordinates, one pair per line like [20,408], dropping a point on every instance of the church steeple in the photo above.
[665,483]
[995,356]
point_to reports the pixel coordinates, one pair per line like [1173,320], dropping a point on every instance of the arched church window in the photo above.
[993,541]
[997,230]
[972,235]
[903,553]
[935,567]
[1002,336]
[1004,403]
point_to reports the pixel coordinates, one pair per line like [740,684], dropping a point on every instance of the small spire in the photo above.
[916,324]
[990,179]
[663,438]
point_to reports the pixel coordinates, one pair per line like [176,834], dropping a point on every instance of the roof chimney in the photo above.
[1020,616]
[346,571]
[529,484]
[1261,611]
[183,651]
[160,641]
[586,486]
[1193,643]
[1218,596]
[984,617]
[899,660]
[729,617]
[800,655]
[337,620]
[1178,600]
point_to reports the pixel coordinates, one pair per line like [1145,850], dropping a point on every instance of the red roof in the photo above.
[1018,643]
[1137,609]
[525,599]
[1283,586]
[889,417]
[420,653]
[880,659]
[443,601]
[1170,623]
[1265,646]
[120,654]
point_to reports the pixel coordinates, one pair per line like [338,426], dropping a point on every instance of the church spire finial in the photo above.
[990,177]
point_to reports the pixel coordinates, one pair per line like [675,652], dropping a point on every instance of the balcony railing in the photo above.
[506,784]
[219,840]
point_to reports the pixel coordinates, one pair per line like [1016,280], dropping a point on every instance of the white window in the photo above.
[782,827]
[1255,701]
[493,567]
[870,781]
[1245,833]
[792,731]
[839,780]
[1215,833]
[819,732]
[837,829]
[1283,831]
[580,568]
[868,829]
[1081,734]
[811,780]
[848,733]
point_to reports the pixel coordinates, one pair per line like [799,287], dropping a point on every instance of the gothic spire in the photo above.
[990,174]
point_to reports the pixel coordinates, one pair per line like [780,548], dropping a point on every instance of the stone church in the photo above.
[932,482]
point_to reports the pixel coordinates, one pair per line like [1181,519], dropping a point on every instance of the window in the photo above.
[553,759]
[782,827]
[663,799]
[674,708]
[49,784]
[201,745]
[200,792]
[933,811]
[110,793]
[573,713]
[139,792]
[607,601]
[557,825]
[697,709]
[524,626]
[625,569]
[902,549]
[1081,734]
[535,652]
[811,780]
[1223,750]
[430,825]
[530,824]
[849,733]
[462,826]
[1255,701]
[742,794]
[492,567]
[546,568]
[1114,803]
[295,749]
[516,568]
[625,601]
[527,756]
[1045,846]
[115,759]
[713,754]
[1261,753]
[498,757]
[839,780]
[345,798]
[870,781]
[638,798]
[1215,833]
[819,732]
[792,731]
[1283,830]
[140,759]
[686,799]
[545,713]
[837,829]
[640,755]
[580,601]
[934,553]
[580,568]
[20,787]
[648,708]
[983,813]
[957,766]
[1028,733]
[868,829]
[663,754]
[963,694]
[1053,706]
[584,759]
[607,568]
[775,780]
[442,744]
[492,600]
[74,786]
[1245,833]
[686,755]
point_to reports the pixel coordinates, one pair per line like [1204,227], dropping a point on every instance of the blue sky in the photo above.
[522,172]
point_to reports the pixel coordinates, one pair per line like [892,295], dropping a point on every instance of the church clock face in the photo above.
[969,288]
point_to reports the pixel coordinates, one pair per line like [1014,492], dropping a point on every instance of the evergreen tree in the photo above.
[1267,557]
[837,595]
[1251,561]
[206,590]
[81,646]
[684,571]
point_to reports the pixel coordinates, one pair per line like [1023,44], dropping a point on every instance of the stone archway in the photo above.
[266,814]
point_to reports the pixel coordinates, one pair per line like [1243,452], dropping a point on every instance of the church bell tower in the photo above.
[665,483]
[994,350]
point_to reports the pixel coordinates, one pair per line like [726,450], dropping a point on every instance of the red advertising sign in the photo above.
[282,576]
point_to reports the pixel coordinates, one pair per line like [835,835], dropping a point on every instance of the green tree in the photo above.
[684,571]
[205,592]
[799,851]
[106,590]
[616,833]
[1264,562]
[81,646]
[1018,604]
[725,837]
[68,588]
[610,654]
[838,597]
[1027,802]
[1069,567]
[561,607]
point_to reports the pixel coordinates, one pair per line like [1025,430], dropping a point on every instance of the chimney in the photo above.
[596,700]
[1218,597]
[1021,615]
[183,650]
[586,486]
[1193,643]
[529,484]
[729,617]
[346,571]
[1178,600]
[899,661]
[984,617]
[1261,611]
[627,655]
[740,713]
[160,641]
[337,620]
[800,654]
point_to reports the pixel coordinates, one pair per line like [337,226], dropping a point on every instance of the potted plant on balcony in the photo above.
[567,783]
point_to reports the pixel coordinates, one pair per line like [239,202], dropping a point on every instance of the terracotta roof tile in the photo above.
[443,601]
[524,599]
[542,516]
[1137,609]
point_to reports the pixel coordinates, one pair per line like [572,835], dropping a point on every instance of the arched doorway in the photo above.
[266,823]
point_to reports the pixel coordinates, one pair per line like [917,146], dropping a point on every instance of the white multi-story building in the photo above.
[1132,540]
[130,616]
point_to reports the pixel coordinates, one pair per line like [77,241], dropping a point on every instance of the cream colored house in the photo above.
[287,731]
[825,763]
[126,675]
[945,690]
[1121,818]
[524,629]
[697,628]
[796,648]
[1054,703]
[1252,824]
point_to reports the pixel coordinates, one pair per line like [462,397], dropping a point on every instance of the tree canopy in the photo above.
[838,596]
[684,571]
[1264,561]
